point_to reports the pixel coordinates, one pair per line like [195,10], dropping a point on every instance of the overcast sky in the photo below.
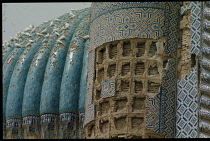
[18,16]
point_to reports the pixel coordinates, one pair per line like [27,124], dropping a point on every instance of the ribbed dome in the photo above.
[72,71]
[38,68]
[10,63]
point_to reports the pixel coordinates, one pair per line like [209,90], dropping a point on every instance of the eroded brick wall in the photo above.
[134,68]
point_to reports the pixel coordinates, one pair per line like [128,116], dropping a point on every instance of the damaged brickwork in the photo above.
[186,60]
[137,67]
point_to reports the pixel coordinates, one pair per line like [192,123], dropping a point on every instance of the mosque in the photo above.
[116,70]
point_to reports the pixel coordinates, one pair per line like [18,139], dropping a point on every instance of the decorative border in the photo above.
[187,106]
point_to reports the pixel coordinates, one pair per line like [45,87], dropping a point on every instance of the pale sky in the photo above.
[18,16]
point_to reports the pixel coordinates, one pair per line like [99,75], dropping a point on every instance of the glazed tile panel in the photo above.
[7,49]
[123,20]
[187,106]
[8,68]
[167,110]
[153,116]
[29,70]
[33,86]
[105,7]
[34,79]
[17,83]
[89,105]
[195,19]
[69,95]
[108,88]
[187,88]
[171,25]
[54,70]
[126,20]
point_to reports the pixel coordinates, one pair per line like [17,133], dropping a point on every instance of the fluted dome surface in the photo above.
[42,67]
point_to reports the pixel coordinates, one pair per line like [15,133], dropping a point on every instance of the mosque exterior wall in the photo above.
[134,47]
[116,70]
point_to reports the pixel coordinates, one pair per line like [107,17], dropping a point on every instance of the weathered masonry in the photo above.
[116,70]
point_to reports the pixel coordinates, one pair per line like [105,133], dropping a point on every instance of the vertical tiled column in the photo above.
[188,71]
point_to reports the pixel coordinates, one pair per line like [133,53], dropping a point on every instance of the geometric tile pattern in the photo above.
[195,25]
[108,88]
[104,7]
[147,22]
[171,24]
[167,111]
[115,21]
[89,113]
[187,106]
[195,20]
[89,105]
[187,96]
[153,108]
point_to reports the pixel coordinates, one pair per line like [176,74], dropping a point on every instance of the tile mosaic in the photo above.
[173,112]
[153,107]
[167,115]
[195,20]
[108,88]
[167,25]
[128,22]
[187,106]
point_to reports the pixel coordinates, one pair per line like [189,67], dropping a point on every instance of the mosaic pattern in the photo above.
[187,106]
[171,14]
[89,106]
[108,88]
[195,19]
[68,125]
[46,74]
[49,128]
[127,23]
[167,111]
[89,113]
[171,24]
[100,8]
[166,13]
[153,107]
[187,95]
[195,25]
[13,127]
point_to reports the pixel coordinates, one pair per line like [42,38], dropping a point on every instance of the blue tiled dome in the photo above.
[42,67]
